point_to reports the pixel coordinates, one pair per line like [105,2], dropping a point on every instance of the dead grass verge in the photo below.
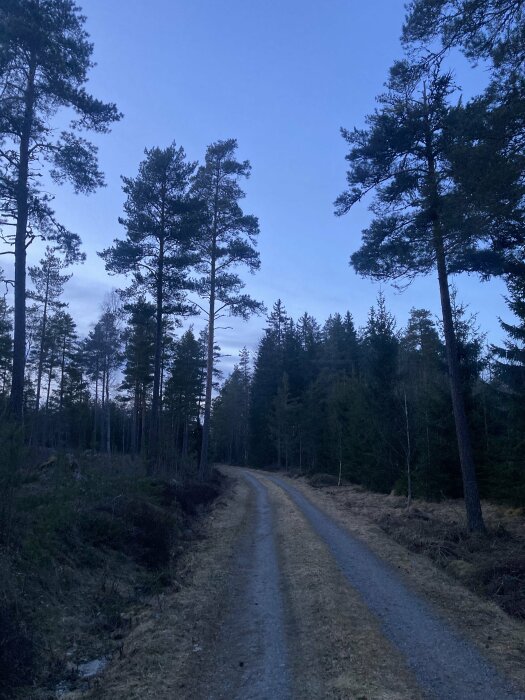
[474,582]
[162,657]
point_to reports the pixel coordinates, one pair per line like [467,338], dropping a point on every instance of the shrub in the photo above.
[16,651]
[318,480]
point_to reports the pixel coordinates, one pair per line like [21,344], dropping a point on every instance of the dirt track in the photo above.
[282,601]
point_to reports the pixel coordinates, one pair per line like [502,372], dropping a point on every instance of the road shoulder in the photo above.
[497,636]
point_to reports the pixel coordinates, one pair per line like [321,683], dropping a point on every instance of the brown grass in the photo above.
[339,650]
[162,656]
[432,550]
[491,565]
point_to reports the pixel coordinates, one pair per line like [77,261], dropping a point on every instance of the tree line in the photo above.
[185,236]
[372,405]
[446,181]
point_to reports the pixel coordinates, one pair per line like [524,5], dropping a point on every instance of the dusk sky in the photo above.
[281,78]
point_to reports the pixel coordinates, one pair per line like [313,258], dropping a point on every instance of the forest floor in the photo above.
[88,544]
[306,593]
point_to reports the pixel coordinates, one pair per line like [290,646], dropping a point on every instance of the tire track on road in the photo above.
[252,655]
[446,665]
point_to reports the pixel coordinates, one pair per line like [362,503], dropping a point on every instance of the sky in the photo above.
[282,78]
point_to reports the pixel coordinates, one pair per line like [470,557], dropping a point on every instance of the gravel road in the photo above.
[445,665]
[254,651]
[251,653]
[281,601]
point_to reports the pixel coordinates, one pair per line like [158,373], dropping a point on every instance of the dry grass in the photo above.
[90,540]
[339,650]
[491,565]
[162,656]
[439,560]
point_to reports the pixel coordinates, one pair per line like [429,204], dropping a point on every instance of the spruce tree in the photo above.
[183,398]
[267,376]
[139,356]
[230,415]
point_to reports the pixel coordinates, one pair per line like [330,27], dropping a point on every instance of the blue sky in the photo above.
[282,78]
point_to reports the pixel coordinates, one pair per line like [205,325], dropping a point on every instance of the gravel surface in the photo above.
[251,653]
[279,601]
[446,665]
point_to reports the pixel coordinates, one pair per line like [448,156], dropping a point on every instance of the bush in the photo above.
[318,480]
[196,494]
[134,527]
[16,651]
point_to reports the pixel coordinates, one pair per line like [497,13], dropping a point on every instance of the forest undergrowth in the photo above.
[492,564]
[85,542]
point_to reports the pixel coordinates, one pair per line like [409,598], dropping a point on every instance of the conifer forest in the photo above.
[110,437]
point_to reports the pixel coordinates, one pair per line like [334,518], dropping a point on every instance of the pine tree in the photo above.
[487,159]
[402,155]
[45,56]
[227,239]
[157,247]
[484,29]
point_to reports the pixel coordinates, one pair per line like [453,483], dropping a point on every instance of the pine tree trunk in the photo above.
[408,455]
[155,402]
[62,372]
[468,470]
[102,410]
[108,417]
[42,346]
[49,379]
[143,425]
[95,410]
[22,216]
[204,466]
[134,419]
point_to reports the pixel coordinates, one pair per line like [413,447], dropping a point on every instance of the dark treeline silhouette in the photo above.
[373,405]
[414,409]
[446,179]
[133,385]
